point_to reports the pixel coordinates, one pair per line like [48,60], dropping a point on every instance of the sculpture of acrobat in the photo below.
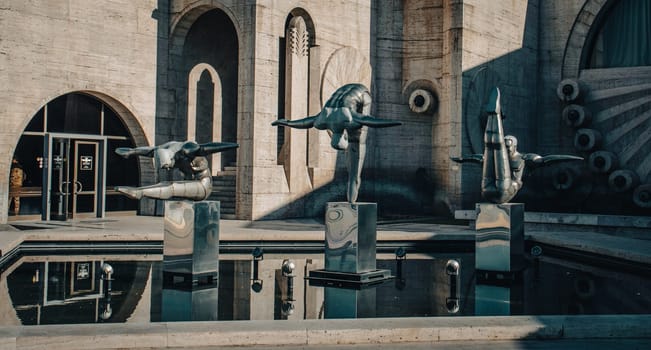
[503,165]
[189,157]
[345,114]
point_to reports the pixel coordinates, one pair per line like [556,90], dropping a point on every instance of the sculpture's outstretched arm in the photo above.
[304,123]
[373,122]
[127,152]
[533,160]
[215,147]
[473,158]
[192,149]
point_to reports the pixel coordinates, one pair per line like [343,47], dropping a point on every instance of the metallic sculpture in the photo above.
[503,165]
[344,115]
[189,157]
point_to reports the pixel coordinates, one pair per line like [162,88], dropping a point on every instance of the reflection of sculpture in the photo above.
[503,165]
[188,157]
[345,114]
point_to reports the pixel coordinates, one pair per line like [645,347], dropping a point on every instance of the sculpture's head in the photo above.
[511,143]
[339,121]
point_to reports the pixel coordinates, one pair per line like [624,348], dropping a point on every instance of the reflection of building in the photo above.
[80,80]
[47,290]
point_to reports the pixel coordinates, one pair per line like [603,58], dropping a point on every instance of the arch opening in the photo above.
[65,165]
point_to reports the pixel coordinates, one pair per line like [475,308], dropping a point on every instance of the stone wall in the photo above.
[457,50]
[429,64]
[499,48]
[56,47]
[340,27]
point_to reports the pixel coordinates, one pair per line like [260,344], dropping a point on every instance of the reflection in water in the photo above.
[77,291]
[49,290]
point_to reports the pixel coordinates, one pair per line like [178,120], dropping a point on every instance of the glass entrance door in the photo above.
[74,177]
[84,191]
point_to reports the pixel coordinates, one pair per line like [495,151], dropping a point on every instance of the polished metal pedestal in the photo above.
[189,305]
[499,243]
[350,237]
[190,261]
[350,273]
[348,303]
[499,258]
[191,244]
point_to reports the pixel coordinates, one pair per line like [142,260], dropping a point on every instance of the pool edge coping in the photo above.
[324,332]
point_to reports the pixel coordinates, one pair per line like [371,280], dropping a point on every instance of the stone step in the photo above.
[227,211]
[224,182]
[224,202]
[223,189]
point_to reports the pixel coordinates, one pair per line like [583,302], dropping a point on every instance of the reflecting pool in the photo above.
[67,289]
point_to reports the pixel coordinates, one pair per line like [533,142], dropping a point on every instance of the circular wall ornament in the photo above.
[612,125]
[345,66]
[421,101]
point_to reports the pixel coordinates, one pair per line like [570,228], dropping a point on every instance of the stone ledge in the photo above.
[573,219]
[324,332]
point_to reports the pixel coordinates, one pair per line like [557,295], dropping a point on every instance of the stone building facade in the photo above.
[82,78]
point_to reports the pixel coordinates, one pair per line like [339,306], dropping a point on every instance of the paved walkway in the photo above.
[574,344]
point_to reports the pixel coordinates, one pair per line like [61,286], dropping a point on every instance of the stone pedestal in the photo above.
[499,243]
[350,237]
[191,244]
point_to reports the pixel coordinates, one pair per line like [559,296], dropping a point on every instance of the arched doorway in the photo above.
[204,58]
[67,156]
[209,65]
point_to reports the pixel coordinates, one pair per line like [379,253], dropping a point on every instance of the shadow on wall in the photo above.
[397,195]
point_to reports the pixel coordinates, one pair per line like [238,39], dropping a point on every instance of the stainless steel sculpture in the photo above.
[189,157]
[344,115]
[503,165]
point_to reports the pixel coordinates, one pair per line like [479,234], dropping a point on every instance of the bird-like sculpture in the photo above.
[345,115]
[503,165]
[188,157]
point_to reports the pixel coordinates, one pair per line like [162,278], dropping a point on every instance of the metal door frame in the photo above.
[75,175]
[100,174]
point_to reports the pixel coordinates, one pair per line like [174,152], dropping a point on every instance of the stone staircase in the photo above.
[223,190]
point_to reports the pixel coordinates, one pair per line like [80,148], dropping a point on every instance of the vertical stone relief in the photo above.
[298,38]
[293,154]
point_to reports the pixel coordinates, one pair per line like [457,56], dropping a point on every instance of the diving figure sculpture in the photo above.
[345,115]
[503,165]
[189,157]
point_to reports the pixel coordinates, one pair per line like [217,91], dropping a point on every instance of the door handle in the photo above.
[79,188]
[67,184]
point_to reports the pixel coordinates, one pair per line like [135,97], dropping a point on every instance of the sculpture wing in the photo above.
[304,123]
[534,160]
[127,152]
[473,158]
[214,147]
[376,122]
